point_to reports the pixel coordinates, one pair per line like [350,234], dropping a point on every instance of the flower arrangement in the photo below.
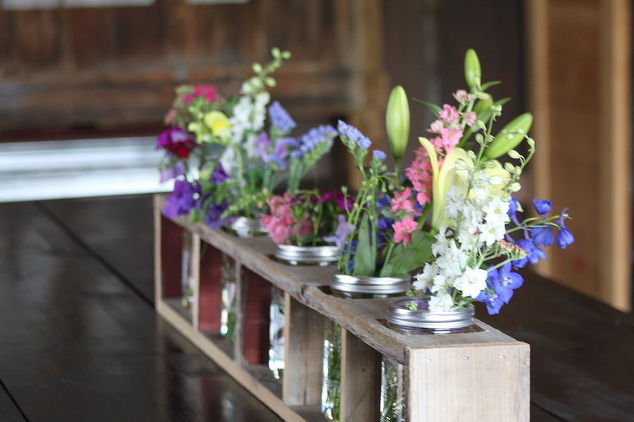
[452,213]
[307,218]
[226,157]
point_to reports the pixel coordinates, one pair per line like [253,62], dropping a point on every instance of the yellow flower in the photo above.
[219,124]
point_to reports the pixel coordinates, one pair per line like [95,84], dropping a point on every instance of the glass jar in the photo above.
[187,274]
[228,311]
[276,332]
[330,396]
[393,391]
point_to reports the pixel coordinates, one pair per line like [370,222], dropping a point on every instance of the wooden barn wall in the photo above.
[106,68]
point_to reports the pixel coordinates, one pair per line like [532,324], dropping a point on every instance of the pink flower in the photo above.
[469,118]
[420,174]
[302,228]
[462,96]
[401,201]
[450,138]
[436,126]
[403,230]
[448,113]
[208,92]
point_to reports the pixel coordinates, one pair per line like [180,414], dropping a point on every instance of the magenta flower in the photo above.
[208,92]
[403,230]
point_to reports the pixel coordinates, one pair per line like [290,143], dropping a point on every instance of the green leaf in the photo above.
[365,255]
[432,107]
[405,259]
[489,85]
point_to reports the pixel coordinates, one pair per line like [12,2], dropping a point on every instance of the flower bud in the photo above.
[397,121]
[472,71]
[510,136]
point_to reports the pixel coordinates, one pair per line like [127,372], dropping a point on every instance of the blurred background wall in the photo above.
[108,68]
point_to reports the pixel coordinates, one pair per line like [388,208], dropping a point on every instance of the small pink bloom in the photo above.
[303,228]
[449,113]
[401,201]
[436,126]
[462,96]
[469,118]
[450,138]
[403,230]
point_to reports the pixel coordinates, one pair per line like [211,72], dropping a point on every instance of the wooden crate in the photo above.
[476,376]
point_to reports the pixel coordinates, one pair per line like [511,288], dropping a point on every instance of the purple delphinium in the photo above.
[353,134]
[280,118]
[343,229]
[182,199]
[173,172]
[218,175]
[214,212]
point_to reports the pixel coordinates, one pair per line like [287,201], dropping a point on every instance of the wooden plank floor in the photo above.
[80,341]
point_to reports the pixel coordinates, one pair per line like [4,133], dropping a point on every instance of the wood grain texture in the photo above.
[585,44]
[360,386]
[303,354]
[463,384]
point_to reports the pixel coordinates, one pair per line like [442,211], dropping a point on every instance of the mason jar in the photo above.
[276,332]
[228,310]
[330,394]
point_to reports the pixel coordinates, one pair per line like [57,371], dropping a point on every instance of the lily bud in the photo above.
[397,121]
[510,136]
[472,73]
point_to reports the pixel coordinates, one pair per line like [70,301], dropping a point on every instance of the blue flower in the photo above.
[533,253]
[564,236]
[504,282]
[379,155]
[353,134]
[314,138]
[492,300]
[280,118]
[385,223]
[542,207]
[383,201]
[542,235]
[513,207]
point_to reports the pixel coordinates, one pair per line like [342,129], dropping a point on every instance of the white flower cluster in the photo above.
[248,116]
[475,221]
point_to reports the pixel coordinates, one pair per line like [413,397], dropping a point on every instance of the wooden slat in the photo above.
[303,354]
[615,211]
[210,289]
[443,383]
[360,380]
[256,318]
[585,44]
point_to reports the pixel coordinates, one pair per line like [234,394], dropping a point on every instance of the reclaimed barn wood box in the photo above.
[474,376]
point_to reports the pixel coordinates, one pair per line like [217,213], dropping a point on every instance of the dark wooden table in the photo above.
[79,339]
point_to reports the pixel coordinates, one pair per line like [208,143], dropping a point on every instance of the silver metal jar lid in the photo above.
[423,318]
[246,227]
[377,285]
[307,255]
